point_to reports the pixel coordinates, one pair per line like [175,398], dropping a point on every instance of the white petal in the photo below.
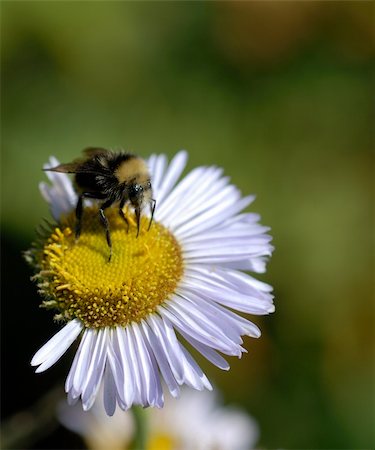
[140,397]
[121,348]
[229,298]
[171,347]
[194,375]
[207,352]
[79,359]
[213,217]
[243,233]
[109,391]
[232,280]
[201,313]
[245,326]
[114,357]
[144,363]
[194,190]
[96,369]
[151,379]
[151,161]
[161,359]
[80,373]
[248,280]
[257,265]
[209,337]
[157,173]
[205,312]
[227,251]
[71,399]
[57,345]
[175,202]
[250,242]
[44,189]
[172,174]
[194,208]
[60,195]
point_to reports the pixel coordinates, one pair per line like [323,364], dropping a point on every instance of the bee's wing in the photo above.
[65,168]
[73,167]
[90,152]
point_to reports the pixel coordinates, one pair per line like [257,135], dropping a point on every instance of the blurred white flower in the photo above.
[194,422]
[198,422]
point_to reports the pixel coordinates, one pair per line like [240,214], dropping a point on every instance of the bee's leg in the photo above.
[105,223]
[152,208]
[79,210]
[138,217]
[121,212]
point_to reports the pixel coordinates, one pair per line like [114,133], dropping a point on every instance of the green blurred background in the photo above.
[280,95]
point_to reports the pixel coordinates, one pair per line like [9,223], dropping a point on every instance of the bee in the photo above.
[112,178]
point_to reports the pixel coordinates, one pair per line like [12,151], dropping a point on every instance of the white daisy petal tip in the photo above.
[209,387]
[183,155]
[86,407]
[213,243]
[254,335]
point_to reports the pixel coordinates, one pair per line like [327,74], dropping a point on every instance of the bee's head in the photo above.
[136,195]
[139,194]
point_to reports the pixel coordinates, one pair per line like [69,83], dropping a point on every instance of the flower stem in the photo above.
[140,416]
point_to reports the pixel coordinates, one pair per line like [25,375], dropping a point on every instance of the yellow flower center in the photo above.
[78,280]
[160,441]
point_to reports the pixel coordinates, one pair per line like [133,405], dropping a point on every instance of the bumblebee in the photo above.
[112,178]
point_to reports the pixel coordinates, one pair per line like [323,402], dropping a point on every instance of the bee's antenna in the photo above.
[152,207]
[138,217]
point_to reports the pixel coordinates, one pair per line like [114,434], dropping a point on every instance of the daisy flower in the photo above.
[181,279]
[195,421]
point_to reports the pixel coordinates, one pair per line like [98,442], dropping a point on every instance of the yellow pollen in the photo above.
[77,279]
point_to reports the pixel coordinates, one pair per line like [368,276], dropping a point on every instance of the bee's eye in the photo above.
[135,190]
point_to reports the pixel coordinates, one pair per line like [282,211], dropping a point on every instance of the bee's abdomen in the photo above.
[86,182]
